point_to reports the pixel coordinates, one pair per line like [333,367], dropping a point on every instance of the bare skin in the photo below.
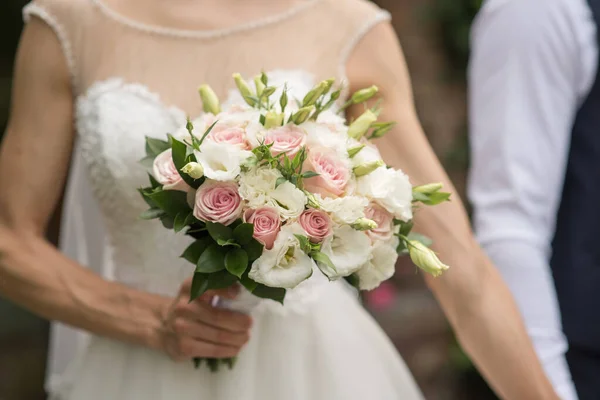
[36,276]
[472,294]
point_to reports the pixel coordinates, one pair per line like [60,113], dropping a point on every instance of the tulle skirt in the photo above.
[335,351]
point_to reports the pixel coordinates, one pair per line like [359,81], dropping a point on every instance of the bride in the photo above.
[92,79]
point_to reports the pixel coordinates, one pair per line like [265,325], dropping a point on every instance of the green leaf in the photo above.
[402,249]
[179,222]
[352,280]
[167,221]
[324,263]
[305,244]
[406,227]
[155,146]
[221,280]
[309,174]
[153,182]
[248,283]
[262,119]
[180,158]
[211,260]
[266,292]
[243,233]
[210,128]
[152,213]
[199,286]
[190,219]
[172,202]
[298,159]
[236,262]
[280,181]
[417,196]
[219,231]
[229,242]
[195,250]
[254,248]
[145,193]
[147,162]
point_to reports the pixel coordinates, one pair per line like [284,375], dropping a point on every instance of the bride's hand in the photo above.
[198,329]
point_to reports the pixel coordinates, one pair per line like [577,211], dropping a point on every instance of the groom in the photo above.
[535,177]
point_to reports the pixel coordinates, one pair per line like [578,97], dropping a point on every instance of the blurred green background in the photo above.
[434,36]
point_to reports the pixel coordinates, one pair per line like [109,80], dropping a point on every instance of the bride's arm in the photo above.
[34,160]
[472,294]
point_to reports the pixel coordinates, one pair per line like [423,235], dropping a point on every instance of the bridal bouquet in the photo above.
[274,189]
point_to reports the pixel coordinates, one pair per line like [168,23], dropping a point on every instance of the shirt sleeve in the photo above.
[526,81]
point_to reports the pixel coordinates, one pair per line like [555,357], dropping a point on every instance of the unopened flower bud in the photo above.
[283,100]
[362,124]
[260,86]
[354,150]
[269,90]
[312,200]
[193,169]
[368,167]
[273,119]
[210,101]
[244,89]
[364,224]
[312,96]
[364,94]
[430,188]
[329,84]
[302,114]
[425,258]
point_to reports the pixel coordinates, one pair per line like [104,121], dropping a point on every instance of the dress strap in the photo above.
[55,14]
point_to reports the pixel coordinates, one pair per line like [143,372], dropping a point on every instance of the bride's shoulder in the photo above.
[62,11]
[354,9]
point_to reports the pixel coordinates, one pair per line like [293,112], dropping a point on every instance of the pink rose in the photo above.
[166,174]
[333,173]
[231,135]
[267,224]
[287,139]
[316,224]
[218,202]
[384,220]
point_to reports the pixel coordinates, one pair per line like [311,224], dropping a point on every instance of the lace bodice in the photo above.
[132,80]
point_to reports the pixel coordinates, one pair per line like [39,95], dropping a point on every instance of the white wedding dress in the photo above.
[321,345]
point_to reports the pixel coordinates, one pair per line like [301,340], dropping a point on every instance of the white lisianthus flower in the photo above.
[289,200]
[221,161]
[390,188]
[347,249]
[343,210]
[368,154]
[381,265]
[285,265]
[257,184]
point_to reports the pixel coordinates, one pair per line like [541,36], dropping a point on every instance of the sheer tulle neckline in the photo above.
[202,33]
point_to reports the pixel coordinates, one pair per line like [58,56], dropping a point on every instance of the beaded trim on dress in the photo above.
[203,34]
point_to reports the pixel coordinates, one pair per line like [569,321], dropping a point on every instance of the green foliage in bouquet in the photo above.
[223,255]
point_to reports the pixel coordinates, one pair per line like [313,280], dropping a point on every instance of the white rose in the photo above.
[289,200]
[343,209]
[381,265]
[347,249]
[390,188]
[221,161]
[320,135]
[257,184]
[285,265]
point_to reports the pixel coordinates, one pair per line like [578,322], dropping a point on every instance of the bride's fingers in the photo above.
[188,348]
[214,316]
[208,333]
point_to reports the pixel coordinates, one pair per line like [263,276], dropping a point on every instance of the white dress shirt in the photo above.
[532,64]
